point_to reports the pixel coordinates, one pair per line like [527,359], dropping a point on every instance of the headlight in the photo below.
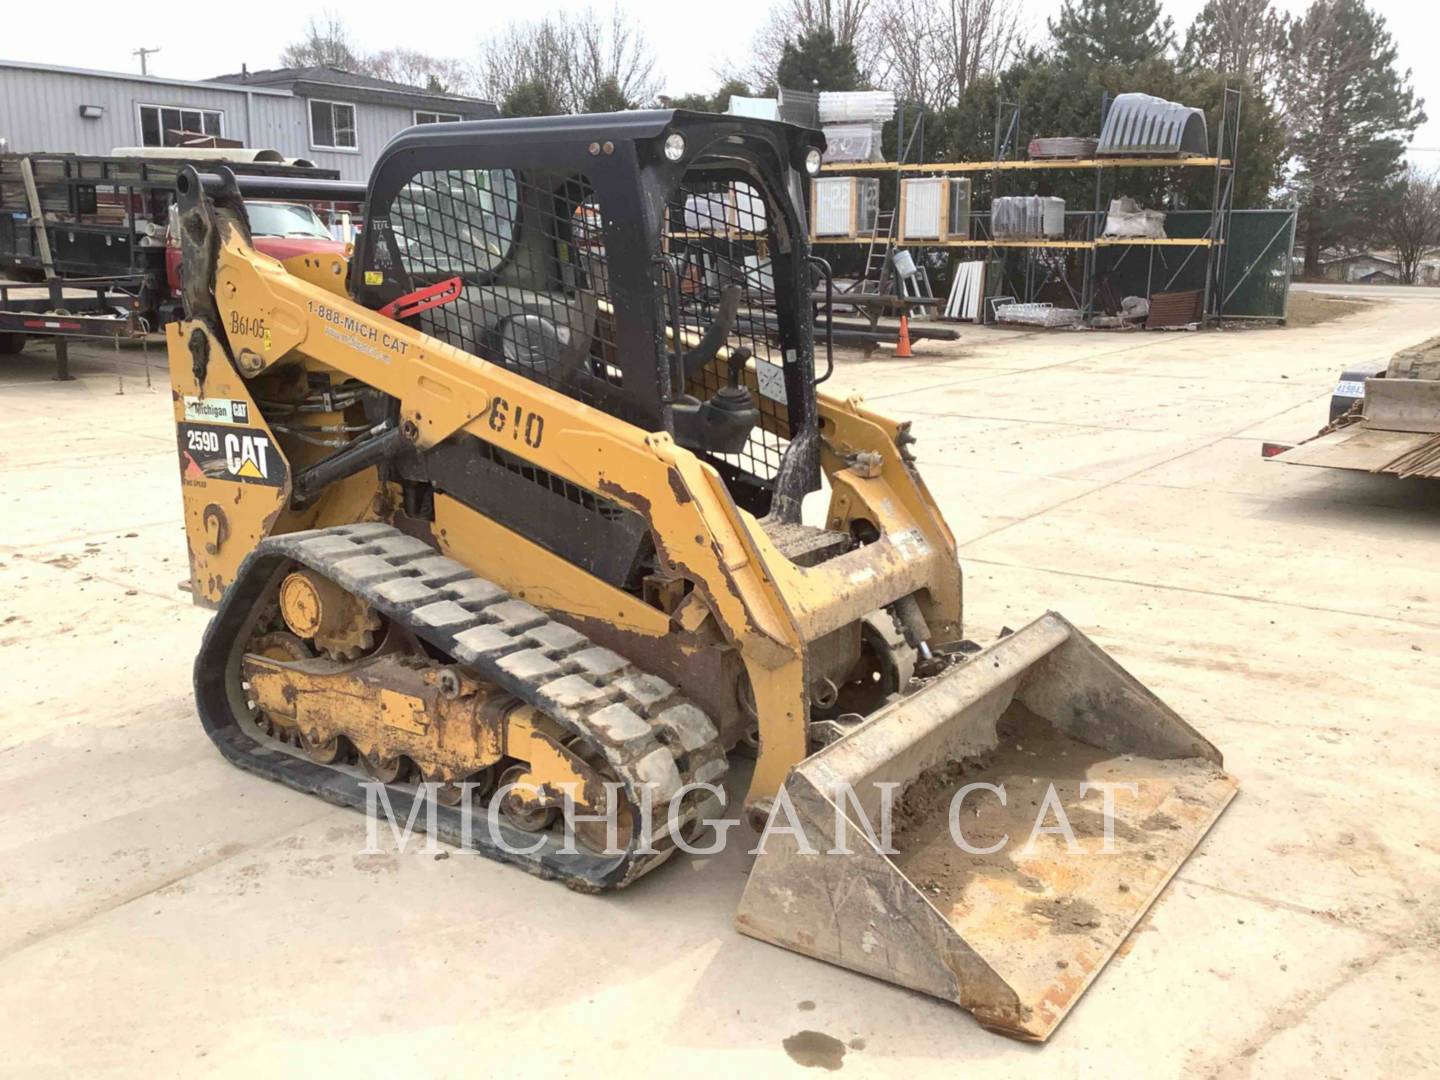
[812,161]
[674,146]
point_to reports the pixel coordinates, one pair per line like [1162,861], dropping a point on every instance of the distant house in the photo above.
[323,115]
[1374,268]
[1366,267]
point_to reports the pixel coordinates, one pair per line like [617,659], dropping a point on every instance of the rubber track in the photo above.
[650,734]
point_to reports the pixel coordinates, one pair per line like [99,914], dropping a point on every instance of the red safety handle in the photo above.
[431,296]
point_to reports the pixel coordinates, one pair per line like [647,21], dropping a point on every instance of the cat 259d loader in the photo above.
[507,507]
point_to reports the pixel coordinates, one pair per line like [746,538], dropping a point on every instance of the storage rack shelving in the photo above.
[1089,223]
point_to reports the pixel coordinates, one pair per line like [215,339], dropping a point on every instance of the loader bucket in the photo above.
[1403,405]
[1013,931]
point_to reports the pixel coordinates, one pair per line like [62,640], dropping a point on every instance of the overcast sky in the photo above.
[692,40]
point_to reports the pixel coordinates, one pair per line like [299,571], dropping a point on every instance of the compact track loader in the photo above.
[504,513]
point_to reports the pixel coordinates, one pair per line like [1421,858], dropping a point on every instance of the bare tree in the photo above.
[326,44]
[574,60]
[611,61]
[533,54]
[979,37]
[909,54]
[848,20]
[438,74]
[1412,225]
[929,52]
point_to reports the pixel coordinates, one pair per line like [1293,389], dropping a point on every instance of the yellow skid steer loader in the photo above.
[502,518]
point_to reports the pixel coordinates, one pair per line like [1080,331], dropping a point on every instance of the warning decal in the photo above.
[246,455]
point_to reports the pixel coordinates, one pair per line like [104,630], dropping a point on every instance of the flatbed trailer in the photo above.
[1382,420]
[80,217]
[103,308]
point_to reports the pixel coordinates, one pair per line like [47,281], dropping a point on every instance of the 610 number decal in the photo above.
[529,426]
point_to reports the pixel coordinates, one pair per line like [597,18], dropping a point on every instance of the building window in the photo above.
[163,125]
[436,118]
[332,126]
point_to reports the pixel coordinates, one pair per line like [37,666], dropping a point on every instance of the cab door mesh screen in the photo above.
[530,253]
[719,233]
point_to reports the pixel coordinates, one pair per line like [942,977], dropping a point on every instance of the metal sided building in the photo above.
[332,118]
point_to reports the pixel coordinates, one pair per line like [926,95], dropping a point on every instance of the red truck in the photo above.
[281,230]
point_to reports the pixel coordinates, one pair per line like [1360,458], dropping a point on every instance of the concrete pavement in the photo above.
[167,914]
[1424,294]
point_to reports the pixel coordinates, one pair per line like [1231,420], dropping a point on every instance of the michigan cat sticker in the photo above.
[217,410]
[246,455]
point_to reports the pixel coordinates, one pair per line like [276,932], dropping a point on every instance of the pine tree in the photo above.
[606,97]
[717,102]
[1247,39]
[1351,113]
[532,98]
[1126,32]
[816,61]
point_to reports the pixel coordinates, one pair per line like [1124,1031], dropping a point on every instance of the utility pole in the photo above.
[143,53]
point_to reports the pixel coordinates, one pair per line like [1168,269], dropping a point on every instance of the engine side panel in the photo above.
[234,477]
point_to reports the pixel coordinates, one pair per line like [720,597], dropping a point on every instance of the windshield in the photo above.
[285,219]
[461,221]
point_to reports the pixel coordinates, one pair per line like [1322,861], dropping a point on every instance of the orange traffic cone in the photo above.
[902,343]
